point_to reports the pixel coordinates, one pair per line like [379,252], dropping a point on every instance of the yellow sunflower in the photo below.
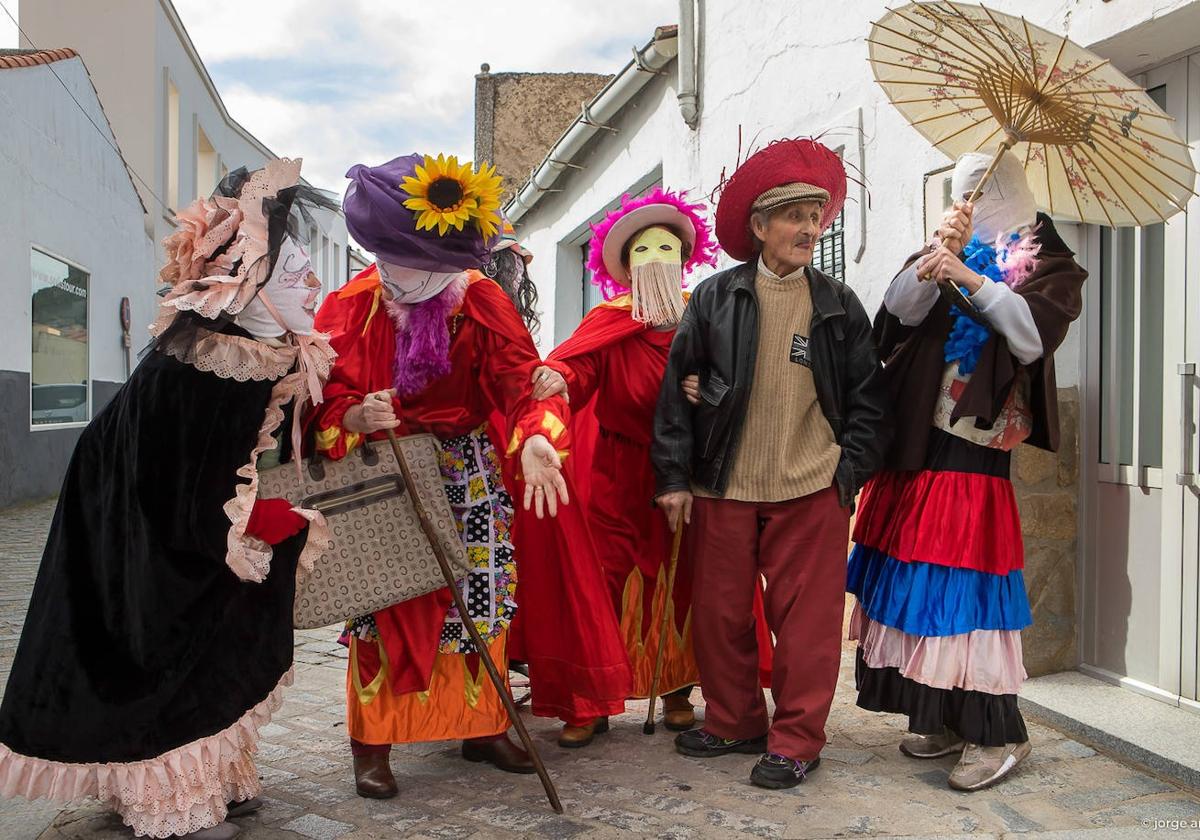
[446,194]
[486,186]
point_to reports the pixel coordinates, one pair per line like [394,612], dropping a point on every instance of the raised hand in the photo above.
[544,484]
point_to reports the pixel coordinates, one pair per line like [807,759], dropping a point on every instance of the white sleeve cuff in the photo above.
[988,294]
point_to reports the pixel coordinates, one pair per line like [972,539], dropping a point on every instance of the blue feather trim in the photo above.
[967,336]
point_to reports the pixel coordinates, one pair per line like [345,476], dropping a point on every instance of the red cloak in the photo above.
[492,362]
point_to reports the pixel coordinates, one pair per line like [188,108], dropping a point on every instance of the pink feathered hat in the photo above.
[660,207]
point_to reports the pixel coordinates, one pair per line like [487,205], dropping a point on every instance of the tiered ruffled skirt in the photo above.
[937,571]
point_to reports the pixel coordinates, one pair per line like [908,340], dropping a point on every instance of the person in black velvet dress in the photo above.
[159,634]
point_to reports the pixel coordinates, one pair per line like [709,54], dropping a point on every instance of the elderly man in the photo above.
[790,423]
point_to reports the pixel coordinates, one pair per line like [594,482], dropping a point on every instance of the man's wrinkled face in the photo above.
[789,234]
[655,244]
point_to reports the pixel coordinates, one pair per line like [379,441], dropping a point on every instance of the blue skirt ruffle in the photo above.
[924,599]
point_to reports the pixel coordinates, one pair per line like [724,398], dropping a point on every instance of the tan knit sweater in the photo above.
[787,449]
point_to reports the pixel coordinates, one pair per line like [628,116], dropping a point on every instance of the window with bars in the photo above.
[829,255]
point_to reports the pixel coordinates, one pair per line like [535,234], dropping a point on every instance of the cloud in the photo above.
[366,80]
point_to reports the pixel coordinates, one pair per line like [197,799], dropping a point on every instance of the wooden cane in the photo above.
[648,727]
[484,655]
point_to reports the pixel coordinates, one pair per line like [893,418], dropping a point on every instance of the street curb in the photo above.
[1168,768]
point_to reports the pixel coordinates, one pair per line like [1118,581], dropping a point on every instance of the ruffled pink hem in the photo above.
[234,356]
[250,557]
[320,540]
[982,660]
[181,791]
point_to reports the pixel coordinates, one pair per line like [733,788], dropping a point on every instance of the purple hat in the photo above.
[378,219]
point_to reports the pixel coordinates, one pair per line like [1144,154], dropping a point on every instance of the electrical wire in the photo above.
[83,111]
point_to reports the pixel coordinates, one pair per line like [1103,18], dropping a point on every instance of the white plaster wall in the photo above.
[332,275]
[117,45]
[784,69]
[67,192]
[131,47]
[196,107]
[649,131]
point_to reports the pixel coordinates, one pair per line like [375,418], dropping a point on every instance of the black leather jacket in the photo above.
[718,337]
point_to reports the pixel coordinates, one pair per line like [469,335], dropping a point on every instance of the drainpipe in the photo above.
[647,63]
[862,190]
[688,59]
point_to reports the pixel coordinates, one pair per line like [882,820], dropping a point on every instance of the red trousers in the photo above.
[799,546]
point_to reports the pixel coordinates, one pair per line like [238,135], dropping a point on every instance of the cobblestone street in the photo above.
[626,784]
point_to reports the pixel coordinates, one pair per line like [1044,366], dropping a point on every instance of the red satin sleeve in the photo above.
[507,360]
[583,374]
[507,380]
[362,336]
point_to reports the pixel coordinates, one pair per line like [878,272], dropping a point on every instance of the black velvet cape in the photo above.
[139,639]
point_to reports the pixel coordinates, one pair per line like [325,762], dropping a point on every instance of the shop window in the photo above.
[58,371]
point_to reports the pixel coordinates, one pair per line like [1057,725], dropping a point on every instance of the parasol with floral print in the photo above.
[1096,147]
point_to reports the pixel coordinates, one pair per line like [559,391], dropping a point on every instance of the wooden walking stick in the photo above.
[484,655]
[648,726]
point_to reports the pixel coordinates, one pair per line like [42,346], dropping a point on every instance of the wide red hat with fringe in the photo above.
[780,163]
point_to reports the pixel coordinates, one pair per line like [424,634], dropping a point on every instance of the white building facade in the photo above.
[1122,603]
[167,113]
[73,247]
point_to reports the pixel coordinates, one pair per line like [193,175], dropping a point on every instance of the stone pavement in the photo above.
[627,785]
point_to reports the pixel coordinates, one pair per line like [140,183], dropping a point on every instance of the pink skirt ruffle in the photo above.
[989,661]
[181,791]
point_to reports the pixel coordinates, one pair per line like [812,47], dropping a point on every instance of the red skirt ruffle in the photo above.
[958,519]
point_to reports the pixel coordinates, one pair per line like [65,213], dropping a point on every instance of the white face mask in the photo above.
[1006,204]
[413,285]
[291,291]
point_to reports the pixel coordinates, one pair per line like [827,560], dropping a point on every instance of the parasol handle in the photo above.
[1007,143]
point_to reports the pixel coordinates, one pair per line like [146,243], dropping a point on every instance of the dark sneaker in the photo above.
[778,771]
[701,744]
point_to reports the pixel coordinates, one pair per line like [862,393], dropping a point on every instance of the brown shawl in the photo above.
[914,357]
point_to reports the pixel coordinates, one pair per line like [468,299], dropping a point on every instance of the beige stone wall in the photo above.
[1047,488]
[519,116]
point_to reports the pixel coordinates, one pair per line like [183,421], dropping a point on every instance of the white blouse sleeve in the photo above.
[1009,315]
[910,299]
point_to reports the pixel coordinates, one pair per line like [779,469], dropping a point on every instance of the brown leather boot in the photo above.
[678,713]
[499,752]
[573,737]
[373,777]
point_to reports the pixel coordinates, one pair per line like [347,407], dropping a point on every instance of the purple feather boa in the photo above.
[423,338]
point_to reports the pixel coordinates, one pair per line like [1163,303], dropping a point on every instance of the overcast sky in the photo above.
[367,80]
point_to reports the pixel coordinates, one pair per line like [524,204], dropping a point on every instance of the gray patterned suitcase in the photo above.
[379,555]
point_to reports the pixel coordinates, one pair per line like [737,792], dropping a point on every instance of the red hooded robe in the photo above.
[492,361]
